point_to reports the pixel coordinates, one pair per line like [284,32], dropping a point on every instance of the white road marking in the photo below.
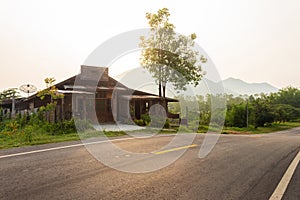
[62,147]
[75,145]
[282,186]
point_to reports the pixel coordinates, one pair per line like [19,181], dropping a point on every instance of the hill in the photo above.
[140,79]
[242,87]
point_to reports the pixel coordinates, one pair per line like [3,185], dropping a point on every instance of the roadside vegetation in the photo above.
[244,114]
[39,127]
[267,129]
[34,129]
[264,113]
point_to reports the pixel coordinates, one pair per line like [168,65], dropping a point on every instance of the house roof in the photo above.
[67,87]
[74,92]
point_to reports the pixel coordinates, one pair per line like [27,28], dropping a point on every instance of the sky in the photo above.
[253,40]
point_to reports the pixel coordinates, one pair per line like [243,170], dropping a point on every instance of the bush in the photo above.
[24,126]
[2,126]
[22,120]
[12,126]
[1,114]
[48,127]
[68,126]
[28,131]
[167,124]
[146,118]
[139,122]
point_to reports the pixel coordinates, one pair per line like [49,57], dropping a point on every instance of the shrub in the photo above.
[1,114]
[48,127]
[28,131]
[139,122]
[12,126]
[146,118]
[22,120]
[167,124]
[2,126]
[68,126]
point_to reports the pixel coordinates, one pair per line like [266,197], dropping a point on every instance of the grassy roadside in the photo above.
[269,129]
[20,139]
[17,140]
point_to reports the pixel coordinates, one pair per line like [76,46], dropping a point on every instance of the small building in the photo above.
[95,96]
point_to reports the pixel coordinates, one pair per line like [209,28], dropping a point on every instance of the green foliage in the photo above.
[169,56]
[155,121]
[22,120]
[262,111]
[12,127]
[37,122]
[2,126]
[285,112]
[28,133]
[259,110]
[236,116]
[51,91]
[35,130]
[167,124]
[66,127]
[9,94]
[146,118]
[289,96]
[1,114]
[139,122]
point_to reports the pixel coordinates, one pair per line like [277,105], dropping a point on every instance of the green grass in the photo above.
[269,129]
[19,138]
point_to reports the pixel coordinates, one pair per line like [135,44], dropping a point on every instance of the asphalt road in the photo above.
[239,167]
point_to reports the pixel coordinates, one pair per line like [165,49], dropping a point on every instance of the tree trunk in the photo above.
[159,83]
[159,89]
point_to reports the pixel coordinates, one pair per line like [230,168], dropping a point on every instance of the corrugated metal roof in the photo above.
[73,92]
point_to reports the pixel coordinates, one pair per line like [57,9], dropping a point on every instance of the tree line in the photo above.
[243,111]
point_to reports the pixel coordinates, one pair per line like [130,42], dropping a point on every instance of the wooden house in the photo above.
[96,96]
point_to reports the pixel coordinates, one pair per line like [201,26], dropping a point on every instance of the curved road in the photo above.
[239,167]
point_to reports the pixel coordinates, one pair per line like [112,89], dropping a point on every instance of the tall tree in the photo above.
[9,94]
[168,56]
[263,112]
[289,95]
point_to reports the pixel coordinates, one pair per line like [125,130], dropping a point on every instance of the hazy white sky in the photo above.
[255,40]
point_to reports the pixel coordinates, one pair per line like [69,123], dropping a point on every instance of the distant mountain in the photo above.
[140,79]
[242,87]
